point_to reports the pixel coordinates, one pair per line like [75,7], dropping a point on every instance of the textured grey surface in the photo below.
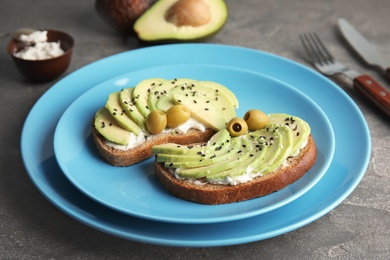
[31,227]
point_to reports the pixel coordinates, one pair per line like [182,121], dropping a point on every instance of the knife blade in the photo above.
[364,48]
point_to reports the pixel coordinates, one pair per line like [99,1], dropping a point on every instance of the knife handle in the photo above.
[387,73]
[370,88]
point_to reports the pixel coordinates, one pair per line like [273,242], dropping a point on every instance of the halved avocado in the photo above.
[181,20]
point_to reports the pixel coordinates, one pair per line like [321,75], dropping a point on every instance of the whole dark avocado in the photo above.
[121,14]
[181,20]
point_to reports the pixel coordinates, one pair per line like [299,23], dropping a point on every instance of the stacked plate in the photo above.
[130,203]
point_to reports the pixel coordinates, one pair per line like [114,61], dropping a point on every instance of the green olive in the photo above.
[177,115]
[156,121]
[237,126]
[256,119]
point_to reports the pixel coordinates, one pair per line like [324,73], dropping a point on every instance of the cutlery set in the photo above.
[324,62]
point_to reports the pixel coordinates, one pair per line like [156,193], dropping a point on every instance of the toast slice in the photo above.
[207,193]
[142,152]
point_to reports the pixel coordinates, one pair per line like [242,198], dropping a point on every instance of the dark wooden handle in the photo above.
[374,91]
[387,73]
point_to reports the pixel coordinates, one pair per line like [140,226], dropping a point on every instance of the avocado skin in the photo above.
[204,38]
[111,11]
[180,39]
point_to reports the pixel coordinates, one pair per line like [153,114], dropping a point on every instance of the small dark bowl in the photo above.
[48,69]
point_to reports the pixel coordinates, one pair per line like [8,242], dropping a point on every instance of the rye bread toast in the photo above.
[142,152]
[207,193]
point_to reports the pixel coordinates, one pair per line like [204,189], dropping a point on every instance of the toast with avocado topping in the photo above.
[232,168]
[158,111]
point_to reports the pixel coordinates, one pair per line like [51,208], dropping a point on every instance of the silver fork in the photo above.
[324,62]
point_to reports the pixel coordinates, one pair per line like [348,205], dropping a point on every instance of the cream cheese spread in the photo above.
[38,48]
[136,140]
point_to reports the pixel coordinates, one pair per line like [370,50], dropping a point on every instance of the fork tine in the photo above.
[325,50]
[316,49]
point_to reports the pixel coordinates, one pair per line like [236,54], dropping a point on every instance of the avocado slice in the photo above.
[264,159]
[210,112]
[106,125]
[181,20]
[141,94]
[239,155]
[127,102]
[300,128]
[285,145]
[118,113]
[210,155]
[160,96]
[220,98]
[214,143]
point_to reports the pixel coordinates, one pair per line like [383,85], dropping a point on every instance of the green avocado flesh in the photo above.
[114,106]
[106,125]
[154,25]
[255,153]
[210,103]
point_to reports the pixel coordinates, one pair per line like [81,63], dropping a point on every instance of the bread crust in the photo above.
[260,186]
[142,152]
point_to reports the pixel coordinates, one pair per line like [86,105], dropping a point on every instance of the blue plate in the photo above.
[136,191]
[347,168]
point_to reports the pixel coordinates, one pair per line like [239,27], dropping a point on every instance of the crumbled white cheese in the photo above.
[38,47]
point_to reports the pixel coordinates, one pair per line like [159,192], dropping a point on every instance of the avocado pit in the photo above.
[189,13]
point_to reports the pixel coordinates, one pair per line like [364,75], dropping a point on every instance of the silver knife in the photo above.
[364,48]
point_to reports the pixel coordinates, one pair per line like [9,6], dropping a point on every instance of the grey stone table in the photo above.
[32,228]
